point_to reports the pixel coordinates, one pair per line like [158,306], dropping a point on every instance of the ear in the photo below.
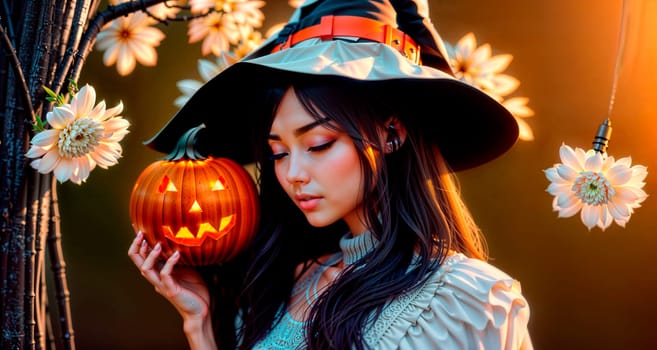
[395,135]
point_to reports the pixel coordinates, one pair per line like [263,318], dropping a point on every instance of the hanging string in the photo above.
[619,56]
[601,139]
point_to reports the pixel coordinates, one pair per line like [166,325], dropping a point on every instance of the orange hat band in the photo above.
[355,26]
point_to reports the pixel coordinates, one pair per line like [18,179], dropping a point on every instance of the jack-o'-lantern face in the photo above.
[207,210]
[194,229]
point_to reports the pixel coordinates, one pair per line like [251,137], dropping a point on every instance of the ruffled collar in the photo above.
[355,248]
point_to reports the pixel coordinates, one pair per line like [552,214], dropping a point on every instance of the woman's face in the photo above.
[318,167]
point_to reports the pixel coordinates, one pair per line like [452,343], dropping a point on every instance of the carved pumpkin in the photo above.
[207,209]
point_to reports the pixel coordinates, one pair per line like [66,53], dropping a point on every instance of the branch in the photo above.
[13,333]
[42,58]
[6,42]
[58,267]
[77,29]
[41,297]
[29,253]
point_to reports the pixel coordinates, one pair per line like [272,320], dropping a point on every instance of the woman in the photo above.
[364,241]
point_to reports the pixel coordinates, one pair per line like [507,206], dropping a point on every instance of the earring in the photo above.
[394,142]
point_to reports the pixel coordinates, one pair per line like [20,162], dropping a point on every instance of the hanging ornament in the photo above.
[603,190]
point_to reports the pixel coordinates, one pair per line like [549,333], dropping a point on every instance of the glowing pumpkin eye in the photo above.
[219,184]
[166,185]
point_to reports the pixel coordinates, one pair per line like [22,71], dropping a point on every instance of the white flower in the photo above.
[478,67]
[81,136]
[207,70]
[129,39]
[603,189]
[218,31]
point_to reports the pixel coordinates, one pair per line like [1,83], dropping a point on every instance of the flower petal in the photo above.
[49,161]
[46,138]
[618,208]
[557,188]
[83,102]
[570,211]
[208,69]
[605,218]
[594,162]
[126,62]
[112,54]
[525,133]
[64,169]
[83,168]
[590,215]
[569,158]
[566,199]
[628,194]
[639,173]
[36,151]
[188,86]
[552,175]
[113,112]
[567,173]
[619,174]
[60,117]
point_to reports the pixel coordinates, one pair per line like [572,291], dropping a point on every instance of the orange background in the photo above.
[587,289]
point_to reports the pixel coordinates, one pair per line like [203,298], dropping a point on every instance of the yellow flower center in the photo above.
[593,188]
[79,138]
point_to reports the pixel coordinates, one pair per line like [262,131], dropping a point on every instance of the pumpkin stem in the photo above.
[185,147]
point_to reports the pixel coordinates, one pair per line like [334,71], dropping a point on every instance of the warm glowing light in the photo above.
[185,236]
[196,208]
[218,185]
[225,222]
[167,185]
[205,227]
[369,153]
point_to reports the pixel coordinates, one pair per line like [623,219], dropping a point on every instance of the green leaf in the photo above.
[39,124]
[72,87]
[53,97]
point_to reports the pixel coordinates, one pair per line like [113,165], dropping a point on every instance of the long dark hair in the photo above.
[412,207]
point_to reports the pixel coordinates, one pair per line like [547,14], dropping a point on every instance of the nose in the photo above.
[296,170]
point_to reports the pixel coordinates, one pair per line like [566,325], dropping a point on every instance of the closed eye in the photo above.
[321,147]
[277,156]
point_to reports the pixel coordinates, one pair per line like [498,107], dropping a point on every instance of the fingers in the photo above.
[147,267]
[146,261]
[133,251]
[167,280]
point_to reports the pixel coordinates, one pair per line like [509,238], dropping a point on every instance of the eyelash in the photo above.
[319,148]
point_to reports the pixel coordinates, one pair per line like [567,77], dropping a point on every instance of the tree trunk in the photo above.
[43,43]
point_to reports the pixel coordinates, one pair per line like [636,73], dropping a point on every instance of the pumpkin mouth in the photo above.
[185,237]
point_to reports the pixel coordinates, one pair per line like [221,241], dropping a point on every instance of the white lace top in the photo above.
[466,304]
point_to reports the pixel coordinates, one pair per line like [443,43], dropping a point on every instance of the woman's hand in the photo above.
[182,286]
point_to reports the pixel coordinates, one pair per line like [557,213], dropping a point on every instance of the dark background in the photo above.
[587,289]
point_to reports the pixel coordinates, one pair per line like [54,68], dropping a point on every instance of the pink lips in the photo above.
[307,202]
